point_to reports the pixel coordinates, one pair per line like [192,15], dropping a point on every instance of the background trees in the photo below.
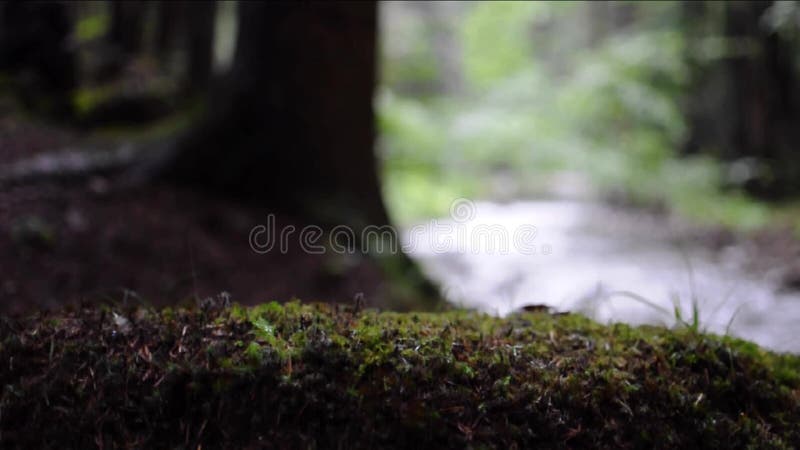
[683,106]
[288,126]
[293,120]
[743,102]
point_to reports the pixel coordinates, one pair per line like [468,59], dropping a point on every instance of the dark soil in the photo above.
[69,243]
[88,240]
[23,139]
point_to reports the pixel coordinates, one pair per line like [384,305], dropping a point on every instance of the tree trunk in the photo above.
[168,23]
[34,49]
[441,23]
[293,123]
[293,127]
[744,104]
[200,36]
[189,26]
[127,26]
[765,86]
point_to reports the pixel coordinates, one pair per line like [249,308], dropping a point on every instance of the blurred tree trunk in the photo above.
[708,81]
[441,19]
[190,25]
[168,23]
[35,51]
[200,35]
[125,37]
[744,104]
[292,126]
[127,26]
[606,19]
[293,123]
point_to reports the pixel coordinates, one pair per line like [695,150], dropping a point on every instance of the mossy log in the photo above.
[299,375]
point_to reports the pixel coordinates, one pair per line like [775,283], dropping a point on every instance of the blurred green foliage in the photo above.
[594,91]
[494,37]
[91,27]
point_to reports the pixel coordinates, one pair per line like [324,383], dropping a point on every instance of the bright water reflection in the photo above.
[588,251]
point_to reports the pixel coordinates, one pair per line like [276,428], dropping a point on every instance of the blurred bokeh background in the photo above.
[654,145]
[685,105]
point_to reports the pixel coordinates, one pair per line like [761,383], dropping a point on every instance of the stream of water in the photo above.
[612,264]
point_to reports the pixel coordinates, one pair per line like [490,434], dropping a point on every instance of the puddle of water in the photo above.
[583,252]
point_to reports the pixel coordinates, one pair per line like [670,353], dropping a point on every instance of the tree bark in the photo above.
[744,104]
[293,122]
[292,125]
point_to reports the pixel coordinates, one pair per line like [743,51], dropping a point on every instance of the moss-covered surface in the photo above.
[312,375]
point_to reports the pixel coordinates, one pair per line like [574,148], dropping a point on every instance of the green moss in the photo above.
[316,375]
[254,352]
[263,329]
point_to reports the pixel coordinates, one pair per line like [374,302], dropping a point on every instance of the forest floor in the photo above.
[66,242]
